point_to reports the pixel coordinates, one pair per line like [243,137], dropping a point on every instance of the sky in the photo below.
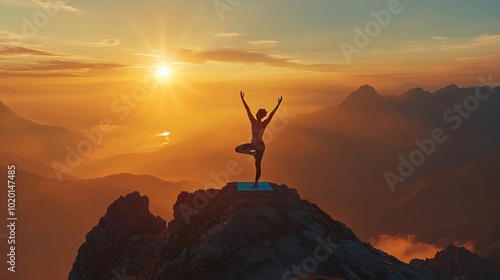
[190,59]
[426,42]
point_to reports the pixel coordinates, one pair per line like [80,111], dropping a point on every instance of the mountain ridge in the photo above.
[41,142]
[459,263]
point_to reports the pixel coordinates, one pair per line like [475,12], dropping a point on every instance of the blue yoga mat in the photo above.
[247,186]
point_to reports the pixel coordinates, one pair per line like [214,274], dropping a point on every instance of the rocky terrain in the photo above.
[459,263]
[226,234]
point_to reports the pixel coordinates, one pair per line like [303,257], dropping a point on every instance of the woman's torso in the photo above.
[257,132]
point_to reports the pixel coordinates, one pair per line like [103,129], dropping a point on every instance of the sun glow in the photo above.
[163,71]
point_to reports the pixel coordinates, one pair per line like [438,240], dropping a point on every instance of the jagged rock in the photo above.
[226,234]
[120,234]
[460,264]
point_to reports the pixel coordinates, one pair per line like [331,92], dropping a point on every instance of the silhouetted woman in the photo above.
[256,147]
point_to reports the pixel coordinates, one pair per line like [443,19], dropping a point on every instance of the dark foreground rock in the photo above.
[226,234]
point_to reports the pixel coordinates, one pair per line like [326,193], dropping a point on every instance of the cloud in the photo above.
[262,44]
[57,5]
[63,66]
[23,51]
[5,35]
[245,56]
[106,43]
[150,55]
[8,74]
[440,38]
[471,43]
[49,4]
[404,248]
[231,34]
[454,43]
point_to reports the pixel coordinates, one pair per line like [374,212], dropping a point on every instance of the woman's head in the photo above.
[262,113]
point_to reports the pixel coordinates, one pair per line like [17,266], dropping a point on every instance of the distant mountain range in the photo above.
[345,152]
[56,215]
[459,263]
[7,89]
[40,142]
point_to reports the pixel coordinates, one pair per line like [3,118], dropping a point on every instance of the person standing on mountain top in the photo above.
[256,146]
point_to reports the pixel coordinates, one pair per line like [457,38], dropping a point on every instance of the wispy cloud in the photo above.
[8,36]
[9,74]
[150,55]
[245,56]
[50,4]
[61,66]
[106,43]
[474,42]
[440,38]
[262,44]
[57,5]
[23,51]
[230,34]
[454,43]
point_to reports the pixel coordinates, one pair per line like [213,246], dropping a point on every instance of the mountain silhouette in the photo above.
[458,263]
[226,234]
[448,90]
[7,89]
[416,93]
[408,86]
[460,203]
[366,97]
[72,206]
[31,165]
[40,142]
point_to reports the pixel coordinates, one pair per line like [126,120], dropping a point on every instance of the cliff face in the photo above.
[459,263]
[227,234]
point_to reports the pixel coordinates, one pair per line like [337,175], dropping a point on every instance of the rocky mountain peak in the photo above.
[126,218]
[459,263]
[416,92]
[227,234]
[364,96]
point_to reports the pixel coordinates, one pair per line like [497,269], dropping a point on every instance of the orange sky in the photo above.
[80,58]
[330,42]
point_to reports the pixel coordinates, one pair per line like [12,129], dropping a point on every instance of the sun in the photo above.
[163,71]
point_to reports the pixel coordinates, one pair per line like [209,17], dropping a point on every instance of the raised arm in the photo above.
[250,116]
[268,120]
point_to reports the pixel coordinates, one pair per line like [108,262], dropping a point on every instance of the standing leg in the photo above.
[258,160]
